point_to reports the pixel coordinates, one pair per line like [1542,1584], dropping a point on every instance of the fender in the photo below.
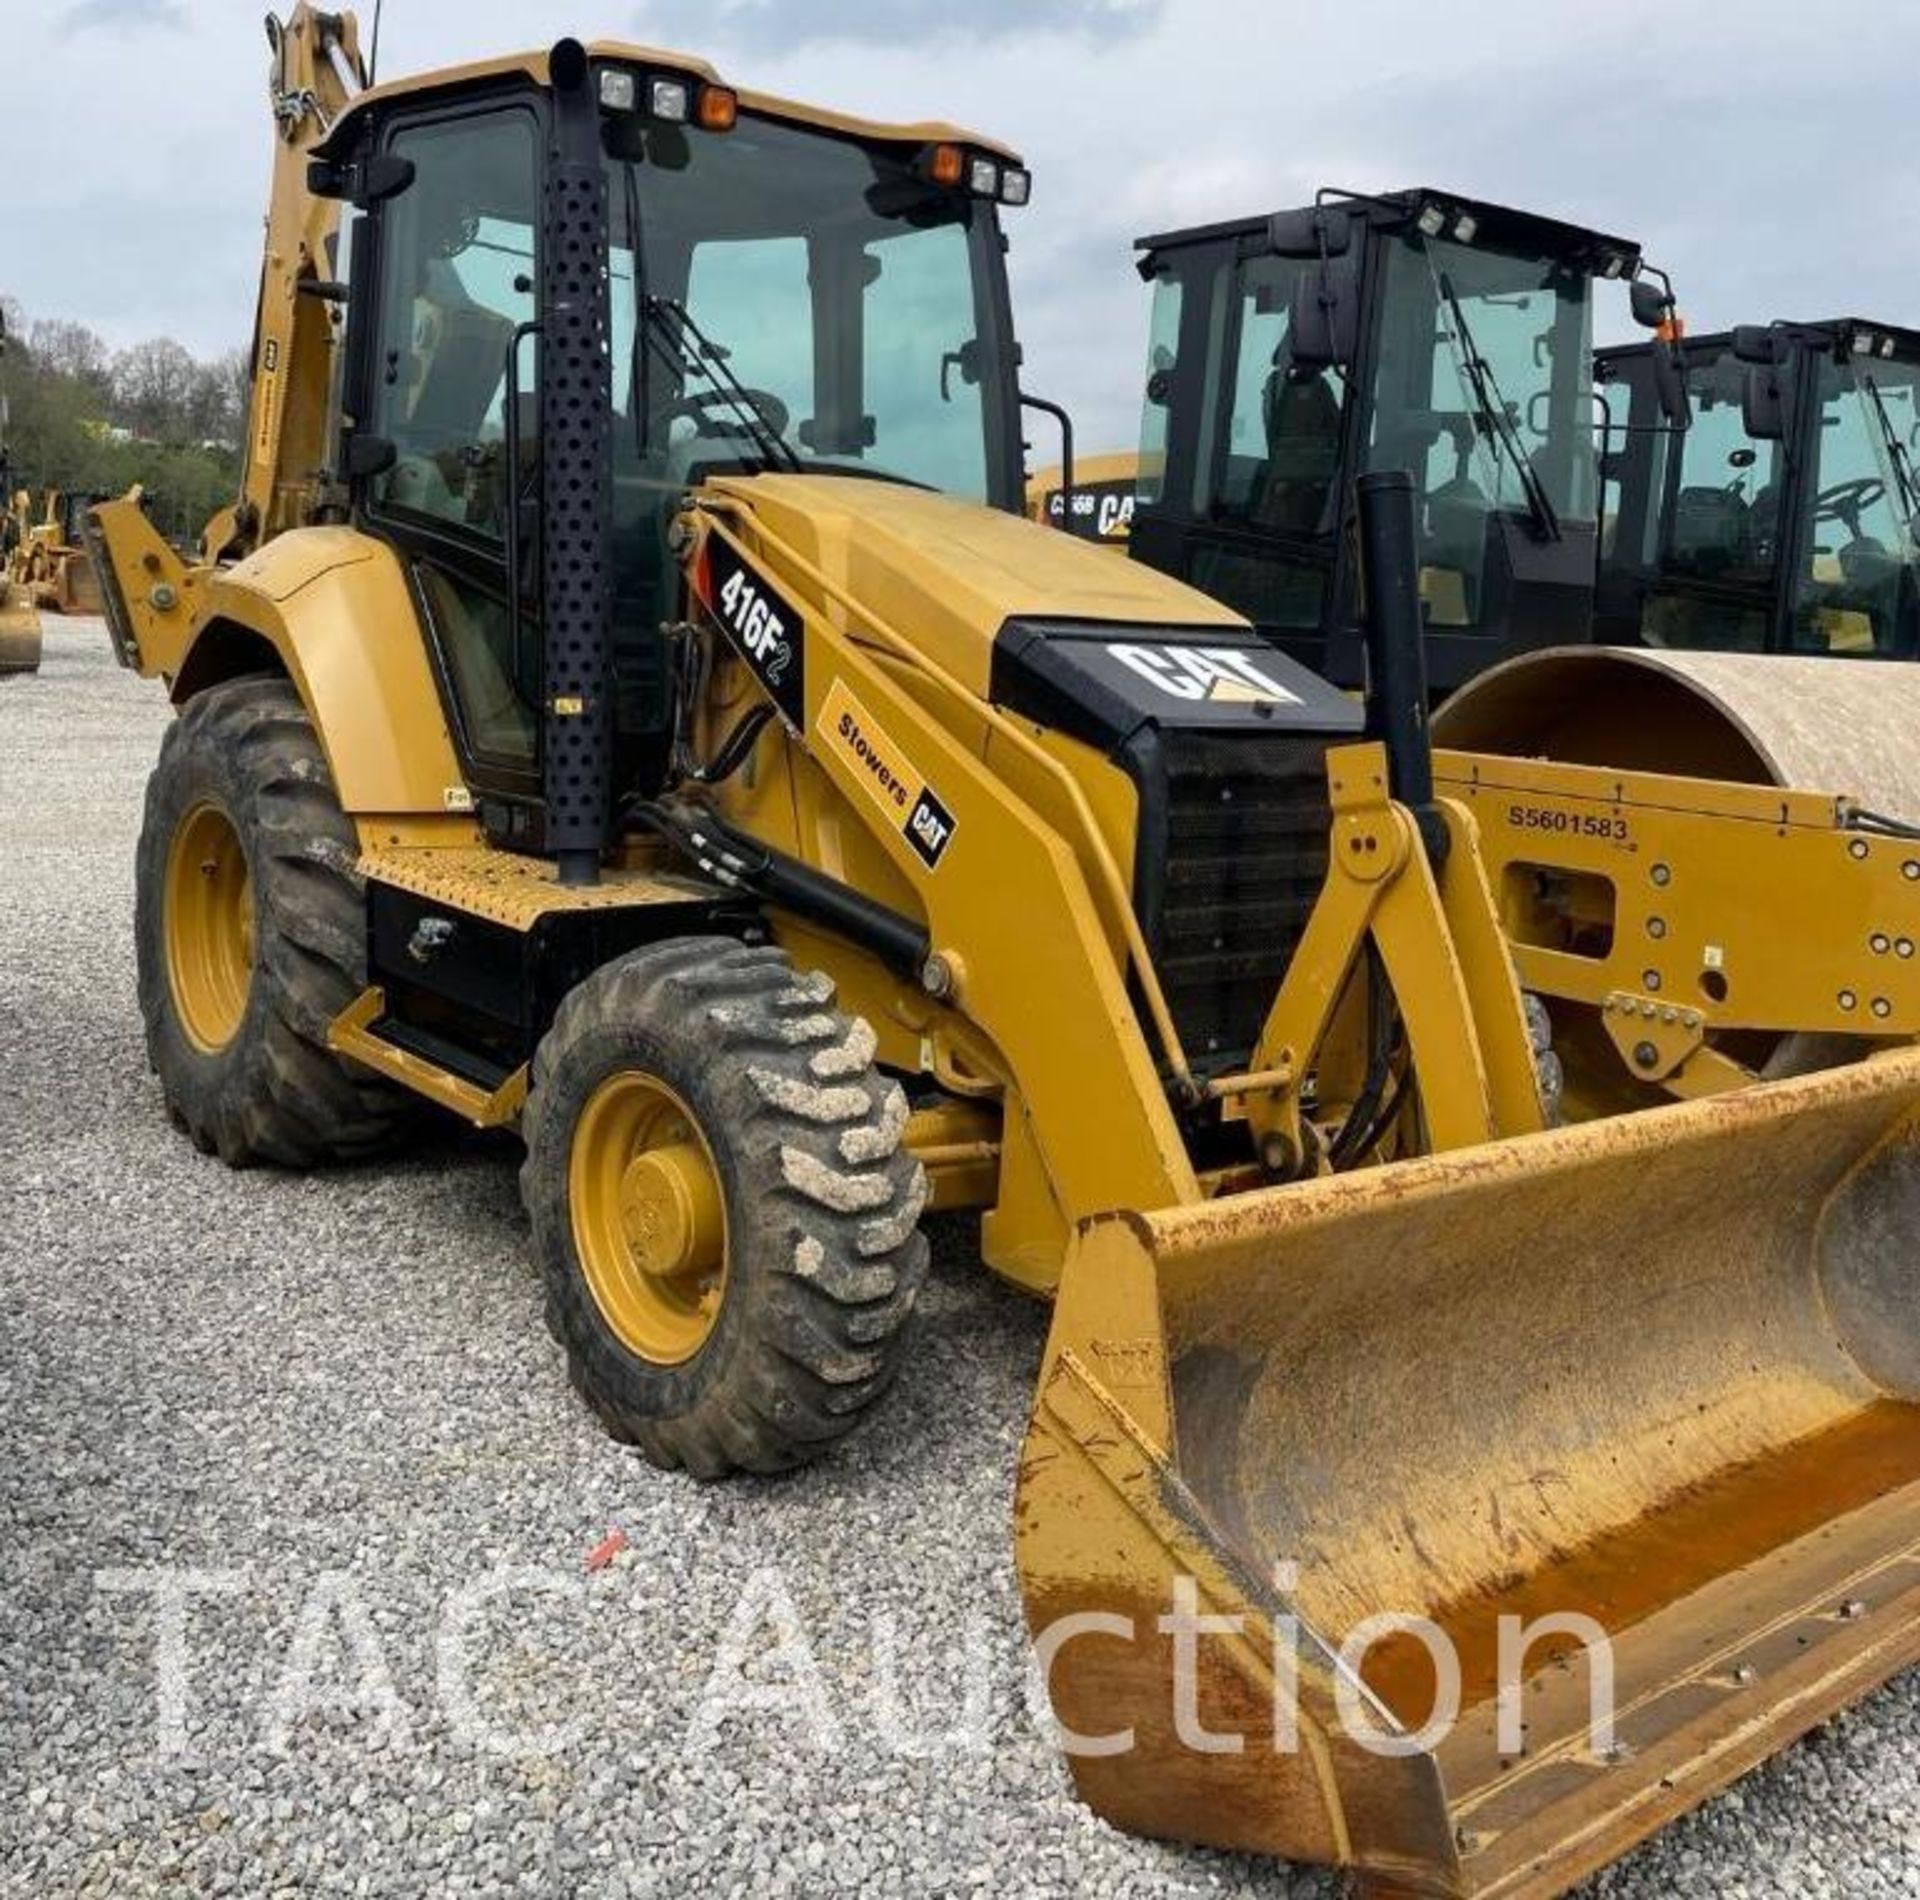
[332,608]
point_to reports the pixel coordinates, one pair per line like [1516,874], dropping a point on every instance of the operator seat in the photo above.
[1302,415]
[1711,532]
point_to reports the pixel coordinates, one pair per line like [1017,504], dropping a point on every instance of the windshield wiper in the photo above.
[1896,452]
[690,353]
[1496,422]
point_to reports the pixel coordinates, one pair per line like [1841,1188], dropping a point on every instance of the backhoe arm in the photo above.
[317,69]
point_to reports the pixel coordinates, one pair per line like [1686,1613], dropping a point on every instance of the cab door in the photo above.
[448,318]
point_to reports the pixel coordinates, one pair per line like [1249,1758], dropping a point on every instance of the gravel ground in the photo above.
[338,1392]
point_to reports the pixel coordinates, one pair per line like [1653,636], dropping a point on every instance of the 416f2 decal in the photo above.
[763,626]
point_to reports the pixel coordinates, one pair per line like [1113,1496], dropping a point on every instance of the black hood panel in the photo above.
[1105,685]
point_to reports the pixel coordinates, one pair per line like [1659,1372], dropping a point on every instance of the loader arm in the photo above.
[1011,915]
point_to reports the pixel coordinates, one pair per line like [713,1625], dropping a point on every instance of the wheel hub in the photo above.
[670,1209]
[649,1218]
[209,928]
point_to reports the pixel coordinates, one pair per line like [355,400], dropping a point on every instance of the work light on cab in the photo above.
[953,166]
[669,98]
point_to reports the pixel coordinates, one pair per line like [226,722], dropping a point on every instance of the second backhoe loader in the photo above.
[626,705]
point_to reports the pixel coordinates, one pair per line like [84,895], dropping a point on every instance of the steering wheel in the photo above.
[716,416]
[1845,501]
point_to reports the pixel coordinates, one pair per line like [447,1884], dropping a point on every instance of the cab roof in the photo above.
[536,66]
[1501,226]
[1822,332]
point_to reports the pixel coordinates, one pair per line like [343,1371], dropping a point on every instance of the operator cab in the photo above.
[1415,331]
[1784,519]
[788,290]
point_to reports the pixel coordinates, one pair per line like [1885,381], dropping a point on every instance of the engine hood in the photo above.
[952,574]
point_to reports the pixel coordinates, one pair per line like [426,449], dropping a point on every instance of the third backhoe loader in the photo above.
[626,704]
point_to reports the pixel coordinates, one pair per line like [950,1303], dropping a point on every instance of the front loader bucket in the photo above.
[19,630]
[1659,1373]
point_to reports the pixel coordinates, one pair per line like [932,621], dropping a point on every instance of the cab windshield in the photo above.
[1482,394]
[852,302]
[1862,555]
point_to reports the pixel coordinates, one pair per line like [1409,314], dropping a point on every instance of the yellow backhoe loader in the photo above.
[626,704]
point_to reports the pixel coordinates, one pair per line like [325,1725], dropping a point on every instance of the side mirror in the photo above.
[367,456]
[1650,302]
[366,181]
[968,359]
[1323,327]
[1753,343]
[1670,385]
[1318,231]
[1763,410]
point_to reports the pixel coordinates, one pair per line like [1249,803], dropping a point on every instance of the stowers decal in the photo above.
[762,623]
[886,774]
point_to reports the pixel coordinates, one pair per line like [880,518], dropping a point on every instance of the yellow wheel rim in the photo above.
[209,928]
[649,1218]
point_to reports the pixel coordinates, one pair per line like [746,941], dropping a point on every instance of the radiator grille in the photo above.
[1224,899]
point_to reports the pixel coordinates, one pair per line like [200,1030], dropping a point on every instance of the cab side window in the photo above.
[457,278]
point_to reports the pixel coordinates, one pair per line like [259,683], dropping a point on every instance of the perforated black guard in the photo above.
[576,426]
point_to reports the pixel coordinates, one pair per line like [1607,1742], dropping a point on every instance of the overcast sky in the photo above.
[1760,151]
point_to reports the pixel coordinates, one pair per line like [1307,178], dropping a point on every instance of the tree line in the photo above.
[84,418]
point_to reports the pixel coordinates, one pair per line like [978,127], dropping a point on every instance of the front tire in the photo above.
[250,931]
[724,1213]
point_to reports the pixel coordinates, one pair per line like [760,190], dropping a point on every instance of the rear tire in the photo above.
[768,1358]
[250,930]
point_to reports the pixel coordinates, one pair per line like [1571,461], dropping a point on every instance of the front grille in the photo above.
[1228,873]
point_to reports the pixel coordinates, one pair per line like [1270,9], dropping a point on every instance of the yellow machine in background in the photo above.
[1097,506]
[20,637]
[20,641]
[628,742]
[50,560]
